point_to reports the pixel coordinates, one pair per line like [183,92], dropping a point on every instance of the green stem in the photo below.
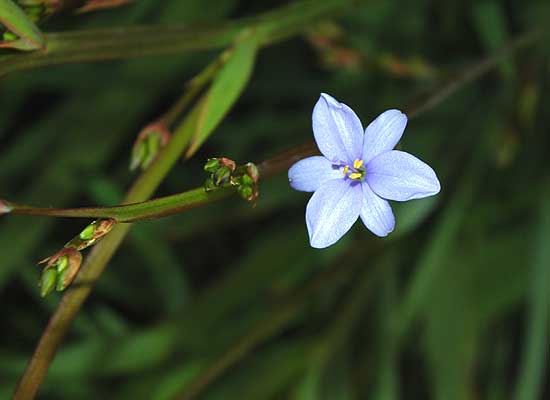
[160,207]
[140,41]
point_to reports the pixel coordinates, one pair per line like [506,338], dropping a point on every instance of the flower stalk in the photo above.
[156,208]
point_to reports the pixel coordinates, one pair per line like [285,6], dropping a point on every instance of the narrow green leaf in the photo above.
[225,90]
[535,356]
[17,22]
[490,23]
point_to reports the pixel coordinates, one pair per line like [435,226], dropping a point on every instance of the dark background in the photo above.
[453,305]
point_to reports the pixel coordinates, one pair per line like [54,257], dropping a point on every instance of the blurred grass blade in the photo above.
[18,23]
[434,259]
[94,5]
[490,22]
[535,357]
[225,90]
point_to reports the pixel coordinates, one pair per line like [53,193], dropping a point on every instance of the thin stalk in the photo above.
[156,208]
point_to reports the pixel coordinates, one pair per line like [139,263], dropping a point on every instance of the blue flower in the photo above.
[357,173]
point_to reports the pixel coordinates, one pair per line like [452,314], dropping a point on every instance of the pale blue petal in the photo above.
[383,133]
[400,176]
[376,213]
[337,130]
[332,210]
[309,174]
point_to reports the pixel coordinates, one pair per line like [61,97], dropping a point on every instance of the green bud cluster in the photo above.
[62,267]
[60,271]
[224,173]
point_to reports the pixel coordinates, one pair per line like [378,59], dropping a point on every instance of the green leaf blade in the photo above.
[226,88]
[16,21]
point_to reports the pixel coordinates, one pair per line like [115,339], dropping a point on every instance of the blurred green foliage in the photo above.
[229,301]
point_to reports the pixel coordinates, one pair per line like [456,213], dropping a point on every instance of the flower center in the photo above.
[356,171]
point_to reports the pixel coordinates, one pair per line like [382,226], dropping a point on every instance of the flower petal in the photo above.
[383,133]
[337,130]
[309,174]
[376,213]
[331,211]
[396,175]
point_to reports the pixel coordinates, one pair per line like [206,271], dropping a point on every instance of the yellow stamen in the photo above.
[346,169]
[357,164]
[355,175]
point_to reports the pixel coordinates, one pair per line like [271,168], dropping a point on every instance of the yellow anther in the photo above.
[355,175]
[357,164]
[346,169]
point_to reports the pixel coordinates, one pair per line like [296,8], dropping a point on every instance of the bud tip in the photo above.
[4,207]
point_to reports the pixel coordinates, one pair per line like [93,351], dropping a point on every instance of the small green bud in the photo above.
[88,232]
[222,176]
[91,234]
[247,180]
[62,263]
[9,36]
[252,171]
[245,192]
[212,165]
[209,185]
[139,152]
[152,145]
[60,270]
[47,281]
[148,144]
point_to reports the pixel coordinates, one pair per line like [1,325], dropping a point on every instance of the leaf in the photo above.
[16,21]
[535,356]
[226,88]
[490,22]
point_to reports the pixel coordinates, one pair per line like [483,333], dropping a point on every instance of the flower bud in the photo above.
[224,172]
[209,184]
[4,207]
[226,162]
[222,176]
[248,183]
[9,36]
[252,172]
[60,270]
[212,165]
[47,281]
[150,140]
[246,192]
[91,234]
